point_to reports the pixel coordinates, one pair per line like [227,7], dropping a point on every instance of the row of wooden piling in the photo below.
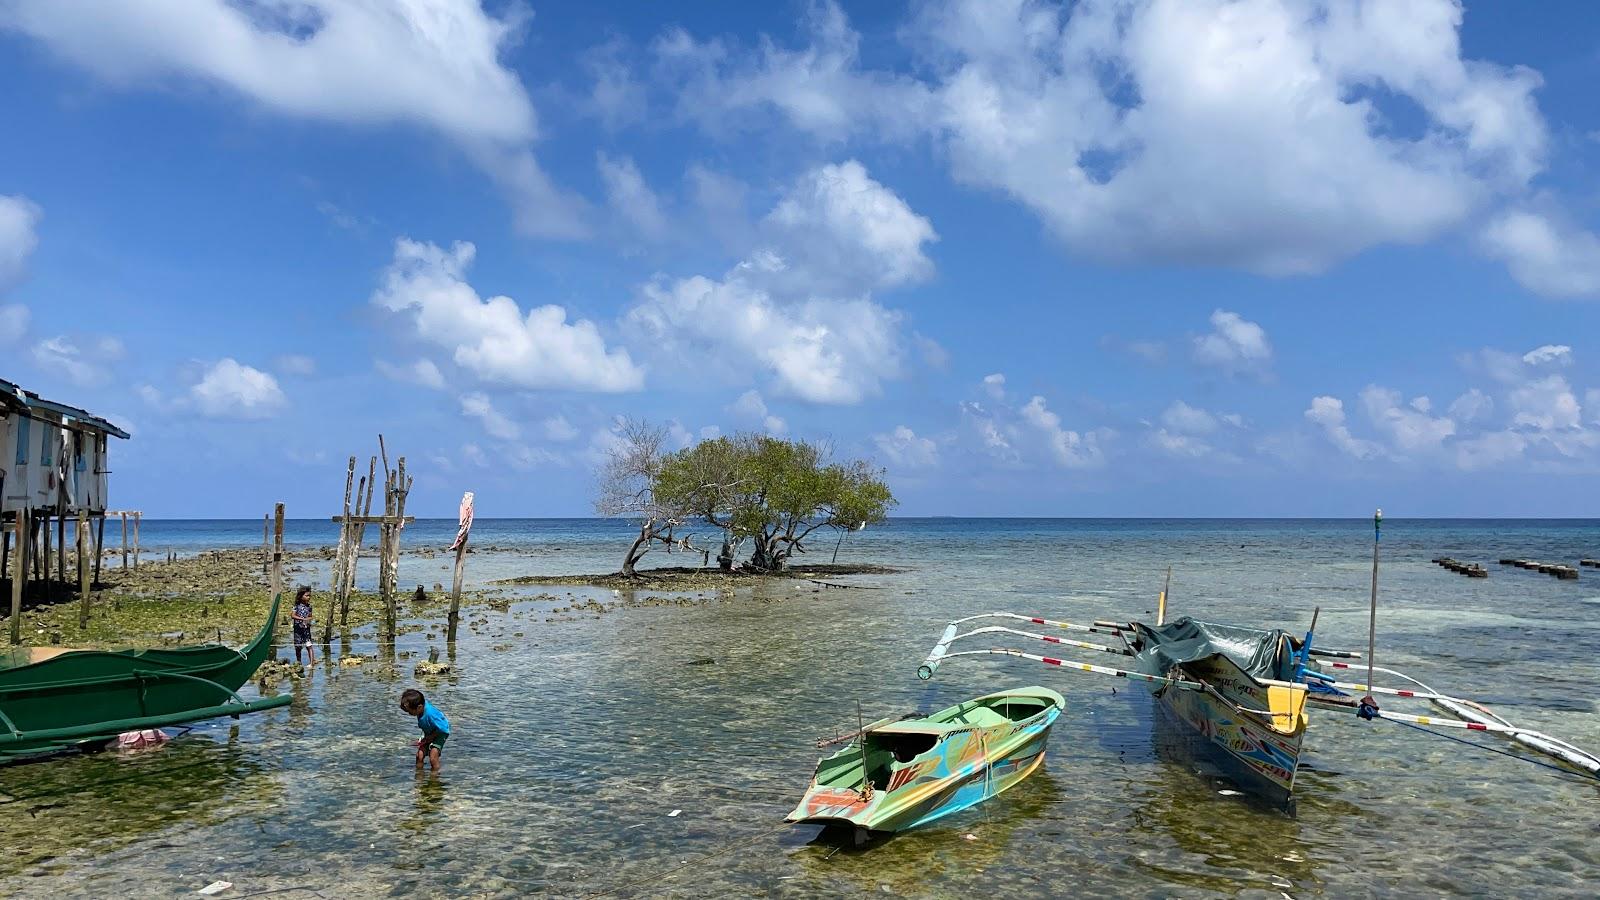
[1565,573]
[1471,570]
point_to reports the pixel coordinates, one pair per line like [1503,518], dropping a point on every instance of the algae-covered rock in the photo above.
[429,667]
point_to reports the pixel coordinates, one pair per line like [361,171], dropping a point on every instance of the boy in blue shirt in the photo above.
[435,727]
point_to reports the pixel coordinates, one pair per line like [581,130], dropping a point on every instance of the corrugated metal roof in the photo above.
[21,400]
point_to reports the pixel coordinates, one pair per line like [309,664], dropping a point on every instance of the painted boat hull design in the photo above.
[926,768]
[83,696]
[1258,750]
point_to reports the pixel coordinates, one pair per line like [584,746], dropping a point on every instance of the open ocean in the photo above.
[576,738]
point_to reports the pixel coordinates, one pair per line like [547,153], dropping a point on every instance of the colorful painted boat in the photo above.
[1252,720]
[53,699]
[1245,692]
[899,774]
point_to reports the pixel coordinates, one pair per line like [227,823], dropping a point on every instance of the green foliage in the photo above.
[773,491]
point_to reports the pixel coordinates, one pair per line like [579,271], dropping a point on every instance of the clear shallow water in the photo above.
[573,742]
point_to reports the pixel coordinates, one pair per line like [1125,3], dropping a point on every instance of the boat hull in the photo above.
[1257,757]
[90,695]
[964,768]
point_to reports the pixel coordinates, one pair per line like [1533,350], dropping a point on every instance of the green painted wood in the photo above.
[92,692]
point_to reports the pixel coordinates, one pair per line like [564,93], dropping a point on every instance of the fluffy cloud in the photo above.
[995,385]
[230,390]
[423,372]
[631,198]
[433,63]
[1409,428]
[906,450]
[1071,449]
[557,428]
[1278,136]
[1545,254]
[18,218]
[1529,415]
[845,233]
[797,308]
[86,366]
[478,406]
[493,339]
[1185,419]
[750,407]
[1549,354]
[1234,345]
[1328,413]
[820,88]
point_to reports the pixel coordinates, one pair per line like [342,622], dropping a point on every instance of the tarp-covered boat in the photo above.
[53,699]
[1254,727]
[899,774]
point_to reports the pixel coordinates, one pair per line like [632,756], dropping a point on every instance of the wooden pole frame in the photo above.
[19,574]
[83,569]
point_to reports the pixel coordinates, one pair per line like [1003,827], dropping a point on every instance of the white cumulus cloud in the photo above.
[1545,254]
[1234,345]
[906,450]
[494,339]
[495,424]
[432,63]
[228,389]
[750,407]
[797,308]
[1328,413]
[1072,449]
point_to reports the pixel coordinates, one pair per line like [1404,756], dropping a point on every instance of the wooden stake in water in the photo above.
[861,741]
[1161,603]
[1372,619]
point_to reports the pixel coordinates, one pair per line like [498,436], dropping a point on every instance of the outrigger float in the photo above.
[53,700]
[1245,691]
[901,773]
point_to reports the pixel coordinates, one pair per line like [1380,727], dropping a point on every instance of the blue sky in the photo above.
[1208,258]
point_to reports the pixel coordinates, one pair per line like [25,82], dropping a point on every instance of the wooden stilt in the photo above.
[5,552]
[137,517]
[19,576]
[339,568]
[99,543]
[61,548]
[277,566]
[83,569]
[124,517]
[44,552]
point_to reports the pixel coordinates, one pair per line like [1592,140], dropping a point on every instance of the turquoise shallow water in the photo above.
[575,740]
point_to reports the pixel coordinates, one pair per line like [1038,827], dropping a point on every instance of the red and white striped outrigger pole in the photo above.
[1471,716]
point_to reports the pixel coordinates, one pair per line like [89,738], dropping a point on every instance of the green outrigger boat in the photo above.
[901,773]
[54,699]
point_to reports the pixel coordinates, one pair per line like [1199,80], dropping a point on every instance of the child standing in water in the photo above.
[435,727]
[302,625]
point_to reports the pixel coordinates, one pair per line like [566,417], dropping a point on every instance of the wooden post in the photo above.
[61,548]
[277,570]
[455,590]
[137,517]
[339,558]
[83,569]
[44,553]
[19,575]
[5,552]
[363,490]
[99,543]
[124,517]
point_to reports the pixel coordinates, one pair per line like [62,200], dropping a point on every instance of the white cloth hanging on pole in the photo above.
[466,520]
